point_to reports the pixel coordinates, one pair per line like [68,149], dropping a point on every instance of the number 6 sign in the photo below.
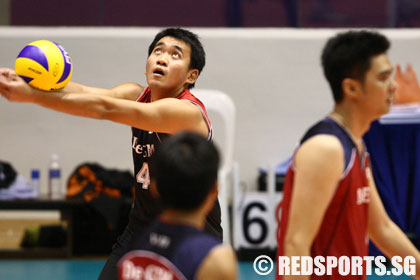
[255,224]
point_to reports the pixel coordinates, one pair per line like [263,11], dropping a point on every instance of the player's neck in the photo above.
[354,126]
[192,218]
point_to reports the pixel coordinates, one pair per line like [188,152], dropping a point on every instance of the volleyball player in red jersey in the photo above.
[175,60]
[331,206]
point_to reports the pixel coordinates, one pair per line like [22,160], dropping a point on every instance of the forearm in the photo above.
[129,91]
[97,106]
[84,105]
[385,239]
[73,87]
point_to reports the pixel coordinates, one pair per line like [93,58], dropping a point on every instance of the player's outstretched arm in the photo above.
[168,115]
[386,235]
[15,89]
[129,91]
[319,163]
[220,264]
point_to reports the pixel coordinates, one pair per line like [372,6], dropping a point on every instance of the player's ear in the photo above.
[214,192]
[192,76]
[351,87]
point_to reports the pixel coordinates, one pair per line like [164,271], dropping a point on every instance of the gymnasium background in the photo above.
[264,54]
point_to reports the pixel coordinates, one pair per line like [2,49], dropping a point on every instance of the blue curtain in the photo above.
[395,156]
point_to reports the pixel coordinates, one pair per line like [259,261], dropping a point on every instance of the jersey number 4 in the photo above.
[143,176]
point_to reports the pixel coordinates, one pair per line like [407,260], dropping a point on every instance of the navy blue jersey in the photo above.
[146,208]
[168,251]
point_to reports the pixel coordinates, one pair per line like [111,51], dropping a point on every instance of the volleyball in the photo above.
[45,65]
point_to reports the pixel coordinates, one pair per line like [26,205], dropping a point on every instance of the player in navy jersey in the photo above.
[331,206]
[176,247]
[175,60]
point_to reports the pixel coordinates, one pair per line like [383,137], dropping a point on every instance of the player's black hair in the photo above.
[348,55]
[185,170]
[198,56]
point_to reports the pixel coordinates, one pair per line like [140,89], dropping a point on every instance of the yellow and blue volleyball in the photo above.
[44,65]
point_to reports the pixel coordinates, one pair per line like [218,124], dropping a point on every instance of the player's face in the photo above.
[168,65]
[378,87]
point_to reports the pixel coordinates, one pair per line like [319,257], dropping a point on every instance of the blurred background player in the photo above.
[175,59]
[184,174]
[331,205]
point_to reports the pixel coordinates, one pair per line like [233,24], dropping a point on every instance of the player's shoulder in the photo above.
[128,90]
[220,263]
[325,136]
[320,154]
[325,126]
[201,242]
[323,145]
[131,86]
[187,95]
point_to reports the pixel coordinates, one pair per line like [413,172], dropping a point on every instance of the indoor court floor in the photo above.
[89,269]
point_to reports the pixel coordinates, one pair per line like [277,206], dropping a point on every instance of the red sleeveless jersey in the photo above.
[343,230]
